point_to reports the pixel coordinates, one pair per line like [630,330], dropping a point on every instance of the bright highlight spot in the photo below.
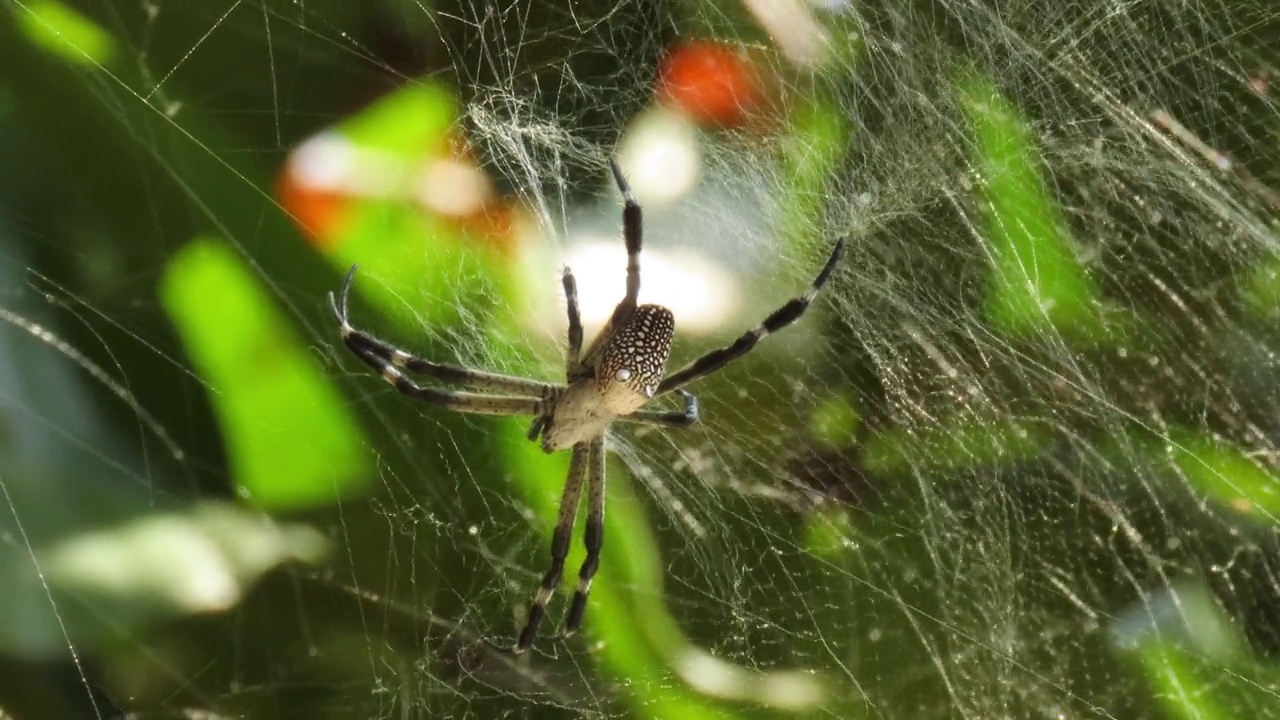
[331,162]
[712,676]
[700,294]
[660,156]
[793,28]
[453,187]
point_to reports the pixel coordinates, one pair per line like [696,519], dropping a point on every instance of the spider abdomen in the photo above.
[634,357]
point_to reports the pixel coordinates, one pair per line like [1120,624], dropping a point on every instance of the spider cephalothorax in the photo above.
[620,373]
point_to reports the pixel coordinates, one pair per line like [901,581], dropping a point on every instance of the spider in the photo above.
[619,374]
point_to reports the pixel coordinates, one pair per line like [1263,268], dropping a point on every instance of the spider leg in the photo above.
[456,400]
[681,419]
[539,424]
[573,358]
[592,537]
[776,320]
[365,345]
[633,234]
[560,539]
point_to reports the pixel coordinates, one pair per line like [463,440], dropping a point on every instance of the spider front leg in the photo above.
[456,400]
[379,355]
[776,320]
[633,235]
[389,361]
[573,357]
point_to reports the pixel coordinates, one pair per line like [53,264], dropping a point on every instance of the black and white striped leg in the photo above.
[681,419]
[633,234]
[560,539]
[456,400]
[777,320]
[365,345]
[573,358]
[592,536]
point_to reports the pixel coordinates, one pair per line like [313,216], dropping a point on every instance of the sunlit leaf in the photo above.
[413,121]
[359,189]
[818,137]
[291,441]
[1261,289]
[1037,283]
[66,32]
[827,534]
[1227,475]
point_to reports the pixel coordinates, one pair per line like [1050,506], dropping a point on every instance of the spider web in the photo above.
[1018,460]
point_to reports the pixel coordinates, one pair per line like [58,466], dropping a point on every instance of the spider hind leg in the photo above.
[560,539]
[592,538]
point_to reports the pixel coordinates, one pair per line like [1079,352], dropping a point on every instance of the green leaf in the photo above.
[1195,660]
[1261,289]
[954,446]
[834,422]
[291,441]
[1226,474]
[818,137]
[67,33]
[410,258]
[1037,284]
[411,122]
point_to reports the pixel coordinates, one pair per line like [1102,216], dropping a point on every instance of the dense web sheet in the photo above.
[1018,460]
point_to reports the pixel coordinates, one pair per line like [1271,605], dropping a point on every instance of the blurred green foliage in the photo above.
[290,441]
[226,339]
[1036,284]
[64,31]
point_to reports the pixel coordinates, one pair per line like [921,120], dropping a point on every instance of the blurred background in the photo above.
[1019,460]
